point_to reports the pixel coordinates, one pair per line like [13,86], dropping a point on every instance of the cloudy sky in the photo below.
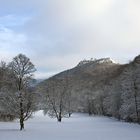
[57,34]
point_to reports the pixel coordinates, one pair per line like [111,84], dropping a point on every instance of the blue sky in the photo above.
[56,35]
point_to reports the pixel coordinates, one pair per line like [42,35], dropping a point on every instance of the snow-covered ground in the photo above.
[78,127]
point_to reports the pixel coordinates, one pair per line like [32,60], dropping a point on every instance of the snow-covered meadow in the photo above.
[78,127]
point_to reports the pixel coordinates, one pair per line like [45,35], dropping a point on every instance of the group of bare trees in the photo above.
[130,109]
[57,97]
[17,97]
[120,97]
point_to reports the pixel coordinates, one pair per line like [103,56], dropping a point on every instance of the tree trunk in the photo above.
[21,114]
[70,114]
[59,118]
[21,124]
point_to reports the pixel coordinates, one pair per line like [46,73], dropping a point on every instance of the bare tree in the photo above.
[22,69]
[57,103]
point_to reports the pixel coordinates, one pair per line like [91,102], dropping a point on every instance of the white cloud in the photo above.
[63,32]
[11,43]
[12,20]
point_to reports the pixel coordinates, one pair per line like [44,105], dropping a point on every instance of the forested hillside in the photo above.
[99,87]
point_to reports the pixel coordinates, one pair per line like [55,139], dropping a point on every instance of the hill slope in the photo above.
[102,87]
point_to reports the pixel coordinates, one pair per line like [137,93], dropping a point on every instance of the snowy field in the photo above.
[78,127]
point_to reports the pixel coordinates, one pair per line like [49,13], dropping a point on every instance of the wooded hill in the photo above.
[95,86]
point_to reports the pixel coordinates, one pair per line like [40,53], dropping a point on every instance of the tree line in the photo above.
[120,97]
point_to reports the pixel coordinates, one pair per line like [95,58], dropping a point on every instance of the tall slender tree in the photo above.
[23,70]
